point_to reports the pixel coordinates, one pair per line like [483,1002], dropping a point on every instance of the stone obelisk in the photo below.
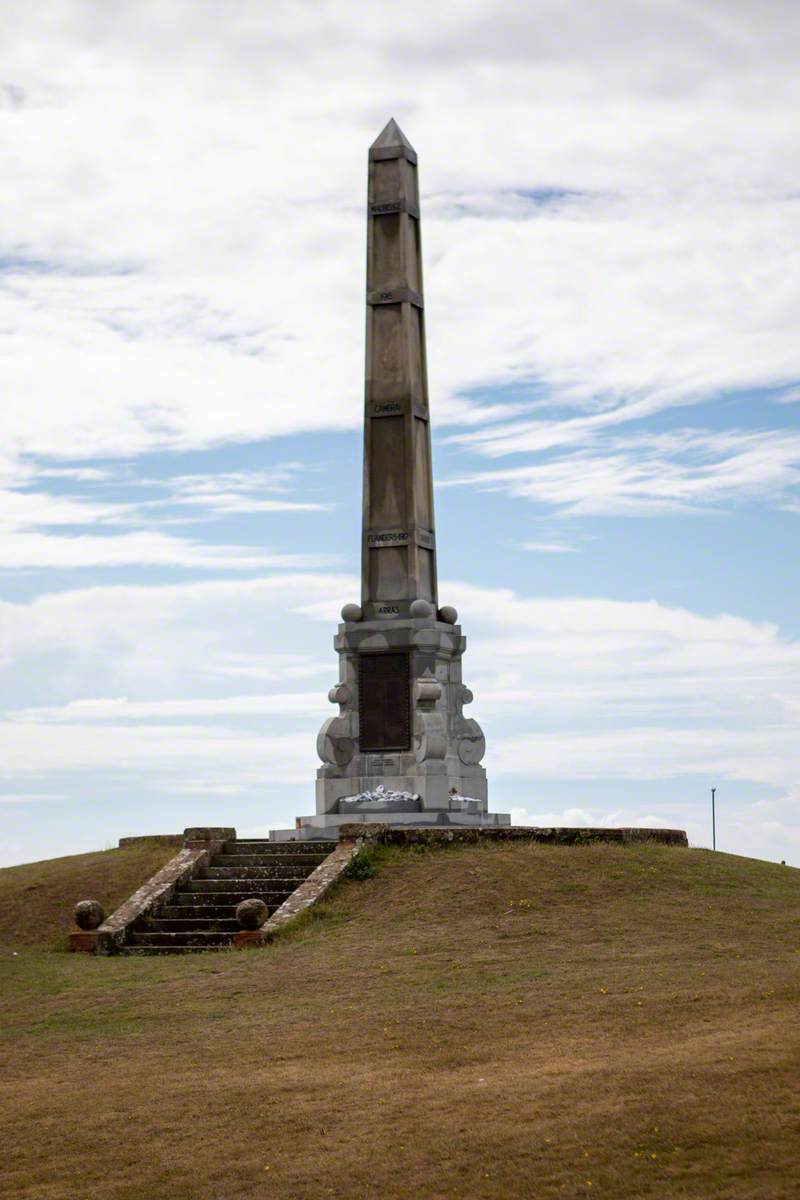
[400,749]
[398,553]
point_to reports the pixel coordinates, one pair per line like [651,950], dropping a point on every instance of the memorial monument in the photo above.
[400,749]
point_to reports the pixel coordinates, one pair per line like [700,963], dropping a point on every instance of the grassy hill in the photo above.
[37,899]
[487,1021]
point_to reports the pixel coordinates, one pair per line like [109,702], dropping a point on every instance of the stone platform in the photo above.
[461,829]
[563,835]
[330,825]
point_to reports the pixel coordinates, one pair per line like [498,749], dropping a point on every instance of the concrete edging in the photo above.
[310,892]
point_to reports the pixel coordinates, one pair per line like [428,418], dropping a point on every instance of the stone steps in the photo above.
[244,847]
[294,862]
[202,915]
[254,886]
[227,924]
[199,939]
[148,951]
[207,912]
[229,899]
[255,872]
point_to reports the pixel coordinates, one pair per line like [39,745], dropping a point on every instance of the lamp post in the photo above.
[713,819]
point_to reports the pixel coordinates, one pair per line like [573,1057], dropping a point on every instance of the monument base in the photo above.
[326,825]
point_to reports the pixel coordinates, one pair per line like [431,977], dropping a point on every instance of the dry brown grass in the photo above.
[37,899]
[626,1028]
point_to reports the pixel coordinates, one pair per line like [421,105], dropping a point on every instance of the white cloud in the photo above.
[163,632]
[609,223]
[143,748]
[29,797]
[19,550]
[686,471]
[83,474]
[569,688]
[765,754]
[584,819]
[611,208]
[136,682]
[27,518]
[234,492]
[305,704]
[25,510]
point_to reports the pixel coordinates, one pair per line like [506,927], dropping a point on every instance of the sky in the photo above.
[611,246]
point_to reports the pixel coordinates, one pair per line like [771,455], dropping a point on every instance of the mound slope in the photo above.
[490,1021]
[37,899]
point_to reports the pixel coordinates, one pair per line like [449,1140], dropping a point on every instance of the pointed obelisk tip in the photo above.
[391,135]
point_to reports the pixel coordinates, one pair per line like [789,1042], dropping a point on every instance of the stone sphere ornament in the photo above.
[252,913]
[419,609]
[352,612]
[448,614]
[89,914]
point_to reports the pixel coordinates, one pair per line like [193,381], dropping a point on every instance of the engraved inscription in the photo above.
[386,410]
[388,610]
[395,296]
[388,537]
[390,207]
[384,702]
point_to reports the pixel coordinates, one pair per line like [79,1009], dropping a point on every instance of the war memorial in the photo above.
[401,749]
[400,761]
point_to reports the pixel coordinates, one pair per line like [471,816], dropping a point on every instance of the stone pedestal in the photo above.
[401,749]
[84,941]
[401,726]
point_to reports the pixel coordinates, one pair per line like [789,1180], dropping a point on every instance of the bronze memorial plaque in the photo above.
[384,702]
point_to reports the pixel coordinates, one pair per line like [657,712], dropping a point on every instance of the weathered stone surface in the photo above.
[89,914]
[201,913]
[83,941]
[410,835]
[401,722]
[156,891]
[318,883]
[204,835]
[252,913]
[326,825]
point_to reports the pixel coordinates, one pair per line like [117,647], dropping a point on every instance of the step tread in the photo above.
[241,886]
[231,899]
[147,951]
[279,871]
[181,937]
[267,860]
[206,900]
[299,846]
[199,912]
[191,925]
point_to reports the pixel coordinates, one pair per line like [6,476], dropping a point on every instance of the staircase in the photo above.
[203,915]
